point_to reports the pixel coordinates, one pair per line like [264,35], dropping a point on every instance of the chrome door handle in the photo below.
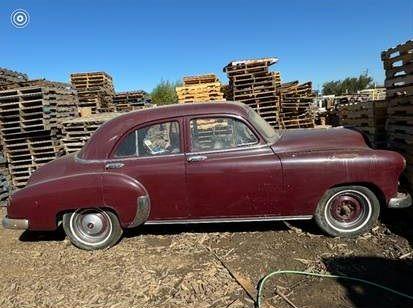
[196,158]
[114,165]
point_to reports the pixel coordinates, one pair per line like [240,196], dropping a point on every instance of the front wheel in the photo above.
[347,211]
[92,229]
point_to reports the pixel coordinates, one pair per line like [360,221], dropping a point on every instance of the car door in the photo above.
[230,170]
[153,154]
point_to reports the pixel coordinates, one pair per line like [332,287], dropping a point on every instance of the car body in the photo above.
[208,162]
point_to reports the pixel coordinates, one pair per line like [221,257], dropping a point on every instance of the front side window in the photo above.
[153,140]
[210,134]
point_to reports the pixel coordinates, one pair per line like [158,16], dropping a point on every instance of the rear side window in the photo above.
[128,146]
[152,140]
[210,134]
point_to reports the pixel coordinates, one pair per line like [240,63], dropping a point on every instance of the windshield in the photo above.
[265,129]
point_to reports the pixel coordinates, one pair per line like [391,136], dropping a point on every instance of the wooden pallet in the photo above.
[202,88]
[368,117]
[201,79]
[9,77]
[77,131]
[253,84]
[95,90]
[85,81]
[277,79]
[401,54]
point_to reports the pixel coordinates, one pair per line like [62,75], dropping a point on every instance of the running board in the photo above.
[225,220]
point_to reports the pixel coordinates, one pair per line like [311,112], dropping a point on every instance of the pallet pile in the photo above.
[5,179]
[398,65]
[374,94]
[296,102]
[251,83]
[77,131]
[129,101]
[367,117]
[30,119]
[201,88]
[277,79]
[8,76]
[95,90]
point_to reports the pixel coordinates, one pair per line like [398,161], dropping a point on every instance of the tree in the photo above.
[350,85]
[164,93]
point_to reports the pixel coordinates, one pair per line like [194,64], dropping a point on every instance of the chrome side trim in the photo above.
[114,165]
[110,160]
[225,220]
[143,209]
[114,159]
[402,200]
[17,224]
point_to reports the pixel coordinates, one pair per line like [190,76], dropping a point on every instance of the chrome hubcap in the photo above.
[91,226]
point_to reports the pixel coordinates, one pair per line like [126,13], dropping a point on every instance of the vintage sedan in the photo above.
[204,163]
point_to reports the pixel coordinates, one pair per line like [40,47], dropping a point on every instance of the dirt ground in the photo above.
[205,266]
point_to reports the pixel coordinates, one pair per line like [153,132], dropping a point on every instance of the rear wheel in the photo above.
[92,229]
[347,211]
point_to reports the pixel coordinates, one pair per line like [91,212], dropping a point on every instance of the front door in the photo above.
[230,170]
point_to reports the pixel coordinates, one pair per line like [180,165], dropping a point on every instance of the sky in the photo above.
[140,43]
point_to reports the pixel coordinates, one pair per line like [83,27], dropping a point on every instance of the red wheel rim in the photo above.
[346,208]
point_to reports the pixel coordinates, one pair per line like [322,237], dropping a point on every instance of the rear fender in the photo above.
[41,203]
[122,193]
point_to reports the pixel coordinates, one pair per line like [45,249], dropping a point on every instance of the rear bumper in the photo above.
[401,200]
[19,224]
[10,223]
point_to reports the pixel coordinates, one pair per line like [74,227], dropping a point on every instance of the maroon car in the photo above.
[202,163]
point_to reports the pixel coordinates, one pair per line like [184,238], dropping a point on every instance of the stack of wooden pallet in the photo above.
[367,117]
[5,179]
[129,101]
[251,83]
[77,131]
[398,65]
[30,116]
[8,76]
[201,88]
[296,101]
[277,79]
[95,90]
[374,94]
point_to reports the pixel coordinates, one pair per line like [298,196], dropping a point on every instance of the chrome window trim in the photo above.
[135,131]
[259,146]
[241,119]
[136,143]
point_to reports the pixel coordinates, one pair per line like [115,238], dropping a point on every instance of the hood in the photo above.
[296,140]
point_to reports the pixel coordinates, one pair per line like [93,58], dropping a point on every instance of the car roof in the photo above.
[104,139]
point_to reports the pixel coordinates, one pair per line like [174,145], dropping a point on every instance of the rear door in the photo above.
[231,172]
[153,154]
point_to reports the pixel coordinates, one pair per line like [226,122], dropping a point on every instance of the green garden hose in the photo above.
[288,272]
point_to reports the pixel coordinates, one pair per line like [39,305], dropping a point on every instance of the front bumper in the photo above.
[402,200]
